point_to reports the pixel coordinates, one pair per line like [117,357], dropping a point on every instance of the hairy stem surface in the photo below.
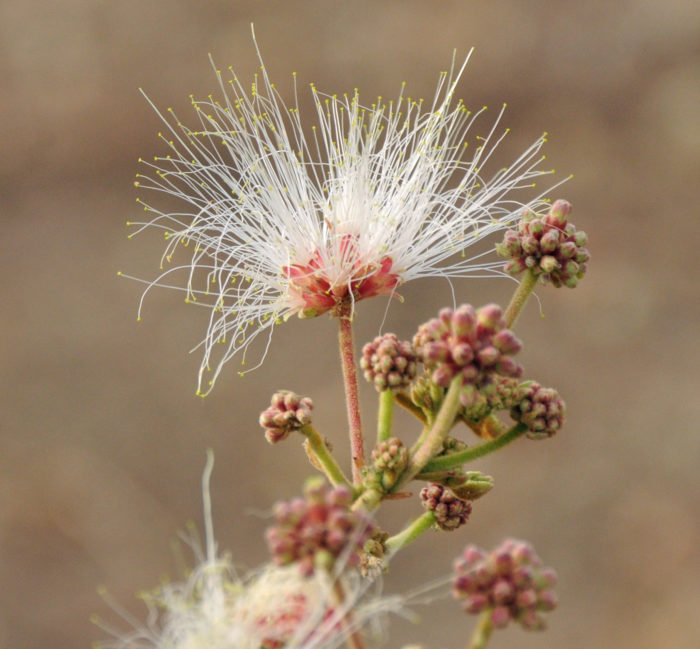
[522,293]
[352,395]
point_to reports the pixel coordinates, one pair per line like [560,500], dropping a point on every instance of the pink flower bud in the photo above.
[500,617]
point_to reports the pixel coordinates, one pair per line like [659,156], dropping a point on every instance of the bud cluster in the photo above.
[287,412]
[450,511]
[390,458]
[548,245]
[495,393]
[426,395]
[510,582]
[541,409]
[318,529]
[468,343]
[389,363]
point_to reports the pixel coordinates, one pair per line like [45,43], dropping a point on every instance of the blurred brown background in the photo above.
[102,440]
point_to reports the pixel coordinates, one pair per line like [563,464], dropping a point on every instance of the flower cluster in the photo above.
[318,529]
[468,343]
[548,245]
[450,511]
[541,409]
[510,581]
[287,412]
[389,363]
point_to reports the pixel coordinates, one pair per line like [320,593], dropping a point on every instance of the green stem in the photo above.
[352,398]
[368,500]
[482,632]
[454,460]
[385,416]
[411,533]
[405,402]
[431,445]
[517,302]
[421,439]
[327,463]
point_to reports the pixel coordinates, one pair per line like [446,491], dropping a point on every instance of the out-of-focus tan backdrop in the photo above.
[102,439]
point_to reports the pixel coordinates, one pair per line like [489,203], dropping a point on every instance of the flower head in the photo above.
[318,529]
[550,246]
[511,582]
[450,511]
[541,409]
[287,412]
[282,221]
[473,344]
[389,363]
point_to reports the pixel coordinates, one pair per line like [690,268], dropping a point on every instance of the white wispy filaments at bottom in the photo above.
[274,608]
[281,218]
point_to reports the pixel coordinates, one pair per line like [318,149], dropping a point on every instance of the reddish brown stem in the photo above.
[352,395]
[354,638]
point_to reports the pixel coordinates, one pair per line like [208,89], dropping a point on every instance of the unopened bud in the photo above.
[287,412]
[450,511]
[389,363]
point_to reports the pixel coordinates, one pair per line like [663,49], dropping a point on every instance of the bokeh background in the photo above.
[102,439]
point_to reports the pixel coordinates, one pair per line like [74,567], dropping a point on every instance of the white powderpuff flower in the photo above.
[281,220]
[274,608]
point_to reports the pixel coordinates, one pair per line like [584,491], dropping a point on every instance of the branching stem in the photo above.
[454,460]
[431,444]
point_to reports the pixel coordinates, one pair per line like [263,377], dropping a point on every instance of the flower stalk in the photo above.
[399,541]
[354,639]
[454,460]
[385,416]
[520,297]
[318,449]
[482,632]
[352,394]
